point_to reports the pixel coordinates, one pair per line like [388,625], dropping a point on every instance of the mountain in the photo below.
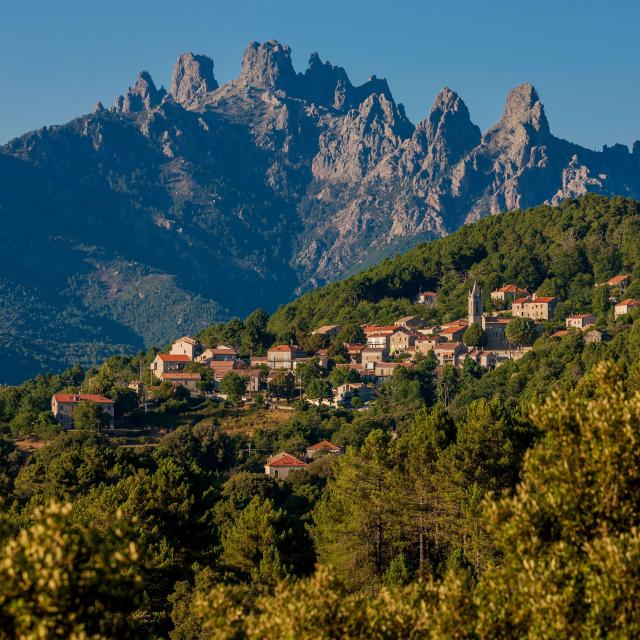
[174,208]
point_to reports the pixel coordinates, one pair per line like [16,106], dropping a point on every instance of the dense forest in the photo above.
[468,503]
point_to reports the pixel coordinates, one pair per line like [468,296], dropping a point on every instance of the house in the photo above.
[450,353]
[379,335]
[137,386]
[345,392]
[283,464]
[221,367]
[561,333]
[63,404]
[371,355]
[486,359]
[327,330]
[453,333]
[580,320]
[402,340]
[187,380]
[622,281]
[221,353]
[384,370]
[256,379]
[410,322]
[624,307]
[283,356]
[168,363]
[322,357]
[425,344]
[355,351]
[321,448]
[428,298]
[534,307]
[186,346]
[508,293]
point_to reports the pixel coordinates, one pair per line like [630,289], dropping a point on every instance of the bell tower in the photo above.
[474,305]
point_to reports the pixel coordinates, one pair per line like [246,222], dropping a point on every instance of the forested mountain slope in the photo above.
[181,207]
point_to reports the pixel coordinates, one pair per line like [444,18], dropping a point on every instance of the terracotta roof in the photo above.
[454,329]
[629,302]
[283,348]
[428,293]
[560,333]
[580,316]
[326,328]
[181,376]
[285,460]
[510,288]
[545,299]
[374,328]
[448,346]
[323,445]
[618,279]
[170,357]
[522,300]
[71,398]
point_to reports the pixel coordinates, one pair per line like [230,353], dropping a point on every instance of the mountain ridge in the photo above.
[222,198]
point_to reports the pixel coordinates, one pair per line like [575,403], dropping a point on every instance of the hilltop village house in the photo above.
[165,363]
[282,465]
[625,306]
[534,307]
[580,321]
[63,404]
[494,326]
[186,346]
[508,293]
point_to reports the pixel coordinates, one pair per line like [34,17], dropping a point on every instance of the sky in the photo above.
[58,57]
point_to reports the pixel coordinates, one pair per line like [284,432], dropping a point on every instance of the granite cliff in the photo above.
[174,208]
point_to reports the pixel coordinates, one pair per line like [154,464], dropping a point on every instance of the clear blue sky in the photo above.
[58,57]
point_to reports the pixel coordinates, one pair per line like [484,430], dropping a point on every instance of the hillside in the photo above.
[202,202]
[562,251]
[466,502]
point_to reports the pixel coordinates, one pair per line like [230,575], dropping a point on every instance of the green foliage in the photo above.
[90,415]
[475,336]
[61,578]
[234,386]
[521,332]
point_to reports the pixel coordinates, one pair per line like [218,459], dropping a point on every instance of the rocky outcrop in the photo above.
[273,182]
[141,97]
[192,79]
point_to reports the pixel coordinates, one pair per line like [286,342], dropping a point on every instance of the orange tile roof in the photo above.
[544,299]
[285,460]
[72,398]
[324,445]
[629,302]
[187,339]
[618,279]
[292,348]
[511,288]
[170,357]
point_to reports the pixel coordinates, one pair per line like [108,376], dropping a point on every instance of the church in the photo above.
[495,327]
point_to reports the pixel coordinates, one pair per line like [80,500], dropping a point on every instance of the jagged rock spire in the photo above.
[268,64]
[523,107]
[192,78]
[143,95]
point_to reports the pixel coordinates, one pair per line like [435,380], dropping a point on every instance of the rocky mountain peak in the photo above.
[192,78]
[523,107]
[268,65]
[143,95]
[325,84]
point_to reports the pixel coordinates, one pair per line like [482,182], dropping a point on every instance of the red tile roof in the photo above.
[618,279]
[629,302]
[511,288]
[522,300]
[324,445]
[544,299]
[170,357]
[72,398]
[285,460]
[291,348]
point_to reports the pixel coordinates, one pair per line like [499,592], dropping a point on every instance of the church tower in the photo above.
[475,305]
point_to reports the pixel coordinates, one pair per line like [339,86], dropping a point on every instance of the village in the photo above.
[370,363]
